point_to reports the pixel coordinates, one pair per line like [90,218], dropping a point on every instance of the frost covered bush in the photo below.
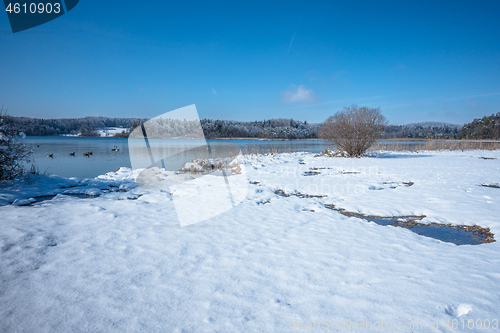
[13,152]
[354,129]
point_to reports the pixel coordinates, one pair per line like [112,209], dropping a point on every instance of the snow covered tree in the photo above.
[354,129]
[487,127]
[13,152]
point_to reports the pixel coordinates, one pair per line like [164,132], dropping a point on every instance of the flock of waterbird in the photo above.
[87,154]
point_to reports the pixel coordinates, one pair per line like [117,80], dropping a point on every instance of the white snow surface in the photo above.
[110,131]
[271,264]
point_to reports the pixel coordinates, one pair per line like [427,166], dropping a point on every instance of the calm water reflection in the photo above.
[103,159]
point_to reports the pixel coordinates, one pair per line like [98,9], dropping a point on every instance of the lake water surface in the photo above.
[103,159]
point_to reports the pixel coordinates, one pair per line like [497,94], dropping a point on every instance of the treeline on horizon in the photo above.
[87,126]
[487,127]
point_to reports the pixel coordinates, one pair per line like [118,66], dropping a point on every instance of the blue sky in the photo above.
[253,60]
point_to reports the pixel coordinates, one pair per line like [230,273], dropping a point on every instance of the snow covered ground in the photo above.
[120,262]
[111,131]
[104,132]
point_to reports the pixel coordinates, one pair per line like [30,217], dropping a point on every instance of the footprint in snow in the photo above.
[458,310]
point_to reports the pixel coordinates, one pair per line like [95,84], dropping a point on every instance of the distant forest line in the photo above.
[487,127]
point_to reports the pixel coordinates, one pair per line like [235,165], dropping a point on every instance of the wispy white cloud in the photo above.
[470,103]
[473,105]
[299,94]
[290,46]
[475,96]
[214,92]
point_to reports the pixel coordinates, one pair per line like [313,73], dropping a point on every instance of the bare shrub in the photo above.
[13,152]
[354,129]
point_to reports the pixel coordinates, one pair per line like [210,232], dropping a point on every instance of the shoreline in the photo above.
[279,139]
